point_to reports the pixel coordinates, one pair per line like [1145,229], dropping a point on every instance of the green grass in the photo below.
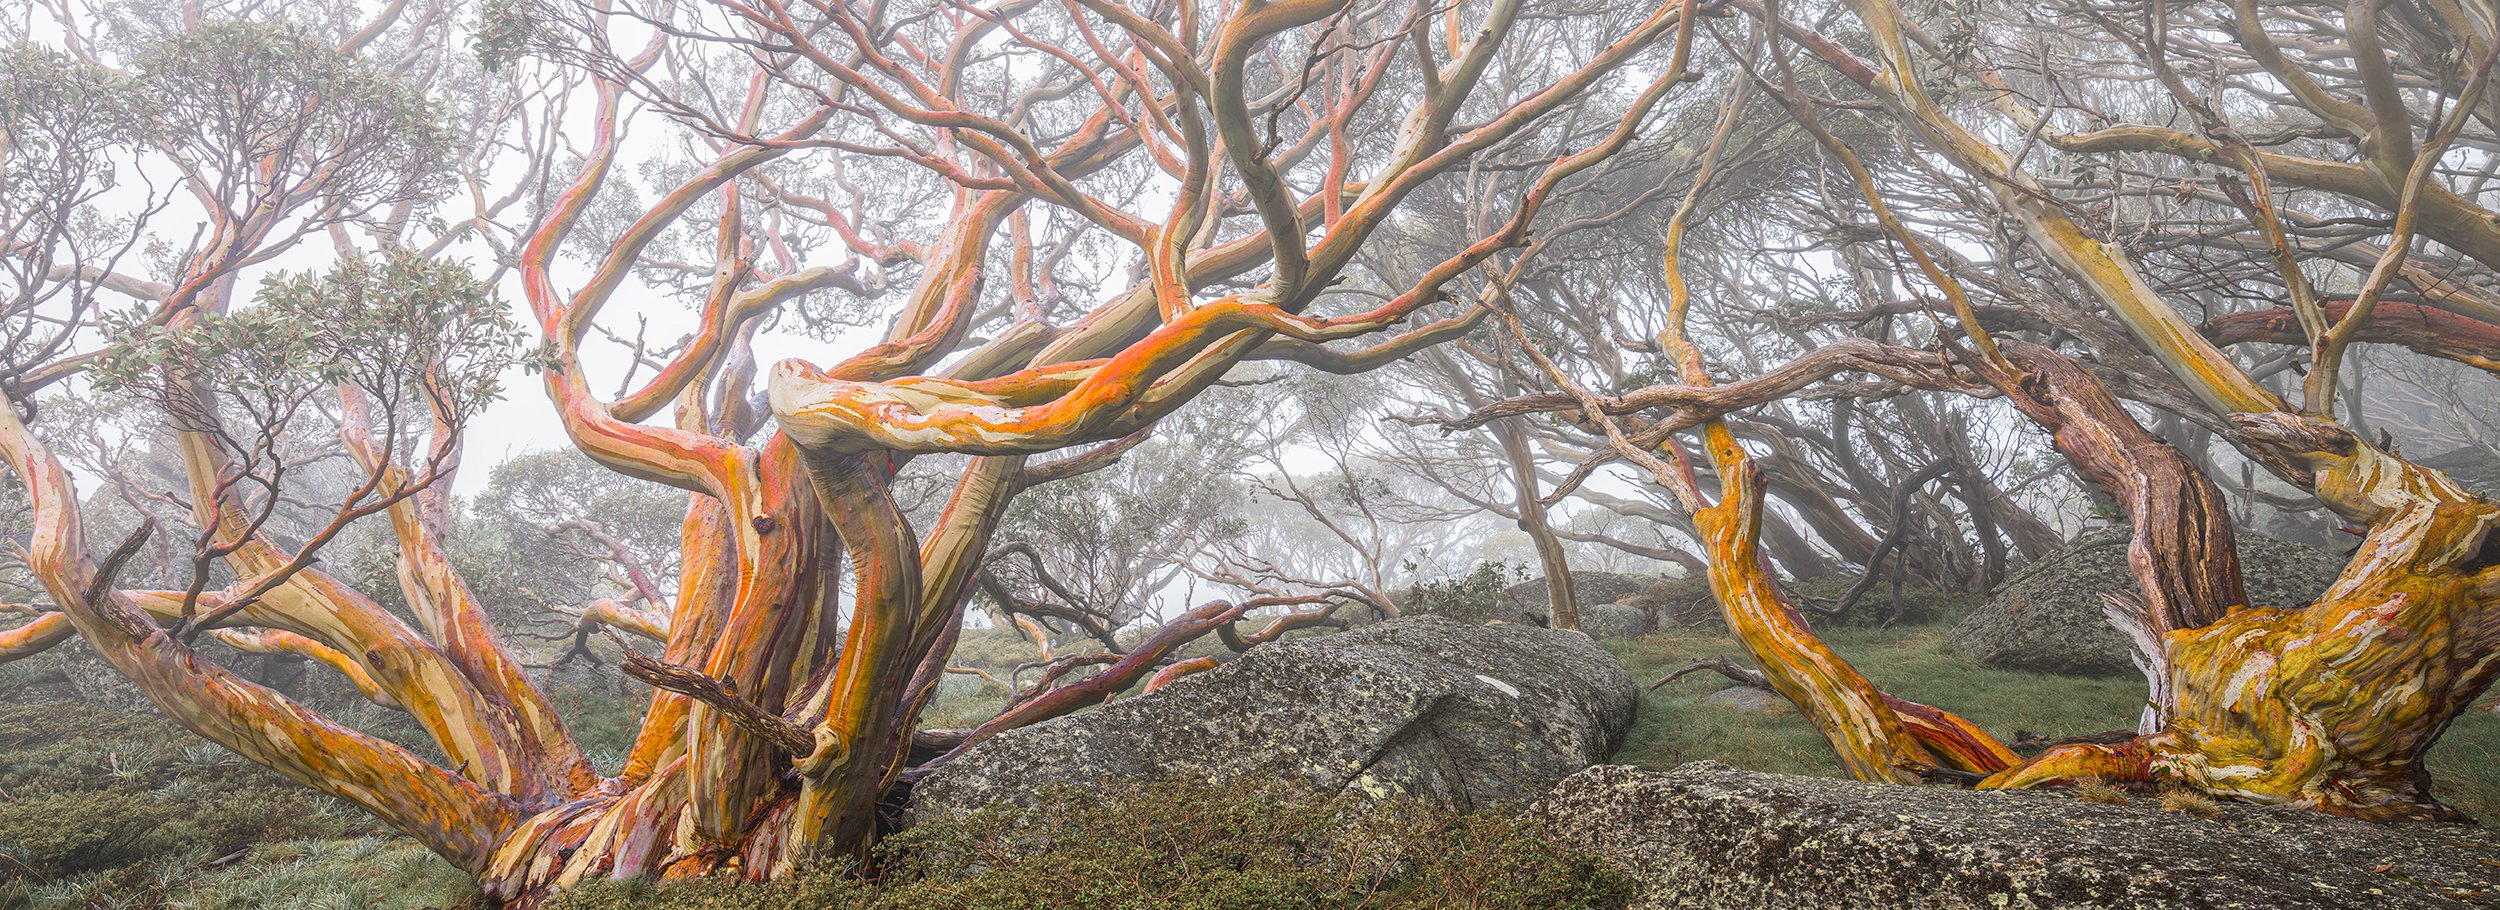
[604,724]
[115,809]
[359,873]
[1675,726]
[2465,766]
[964,701]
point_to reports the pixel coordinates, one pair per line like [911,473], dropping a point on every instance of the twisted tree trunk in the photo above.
[2331,706]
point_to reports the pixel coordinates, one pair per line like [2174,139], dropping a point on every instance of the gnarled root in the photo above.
[2330,708]
[2129,762]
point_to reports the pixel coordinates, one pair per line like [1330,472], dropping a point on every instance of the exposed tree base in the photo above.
[2330,707]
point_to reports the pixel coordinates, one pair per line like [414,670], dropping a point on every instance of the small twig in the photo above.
[2027,741]
[722,695]
[102,583]
[984,674]
[1953,775]
[1723,666]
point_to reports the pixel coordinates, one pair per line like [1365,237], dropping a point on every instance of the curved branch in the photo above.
[1693,404]
[2427,331]
[1178,669]
[1892,540]
[46,631]
[1276,628]
[1114,679]
[456,818]
[274,641]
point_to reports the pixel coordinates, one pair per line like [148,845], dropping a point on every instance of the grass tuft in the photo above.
[2190,802]
[2094,791]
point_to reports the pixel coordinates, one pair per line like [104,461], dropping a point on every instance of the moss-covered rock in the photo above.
[1172,845]
[1683,601]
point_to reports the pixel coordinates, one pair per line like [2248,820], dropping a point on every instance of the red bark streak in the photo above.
[1178,669]
[1116,678]
[2183,554]
[2433,332]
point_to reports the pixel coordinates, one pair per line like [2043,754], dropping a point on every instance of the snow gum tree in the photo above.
[1997,176]
[995,233]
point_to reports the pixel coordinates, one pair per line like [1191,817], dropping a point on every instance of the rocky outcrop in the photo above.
[1531,602]
[1708,836]
[1446,713]
[1614,621]
[2047,618]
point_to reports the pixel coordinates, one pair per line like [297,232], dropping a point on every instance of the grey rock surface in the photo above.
[1614,621]
[2046,618]
[1708,836]
[1424,708]
[1533,603]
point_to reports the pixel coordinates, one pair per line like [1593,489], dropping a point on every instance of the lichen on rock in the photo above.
[1427,709]
[1705,835]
